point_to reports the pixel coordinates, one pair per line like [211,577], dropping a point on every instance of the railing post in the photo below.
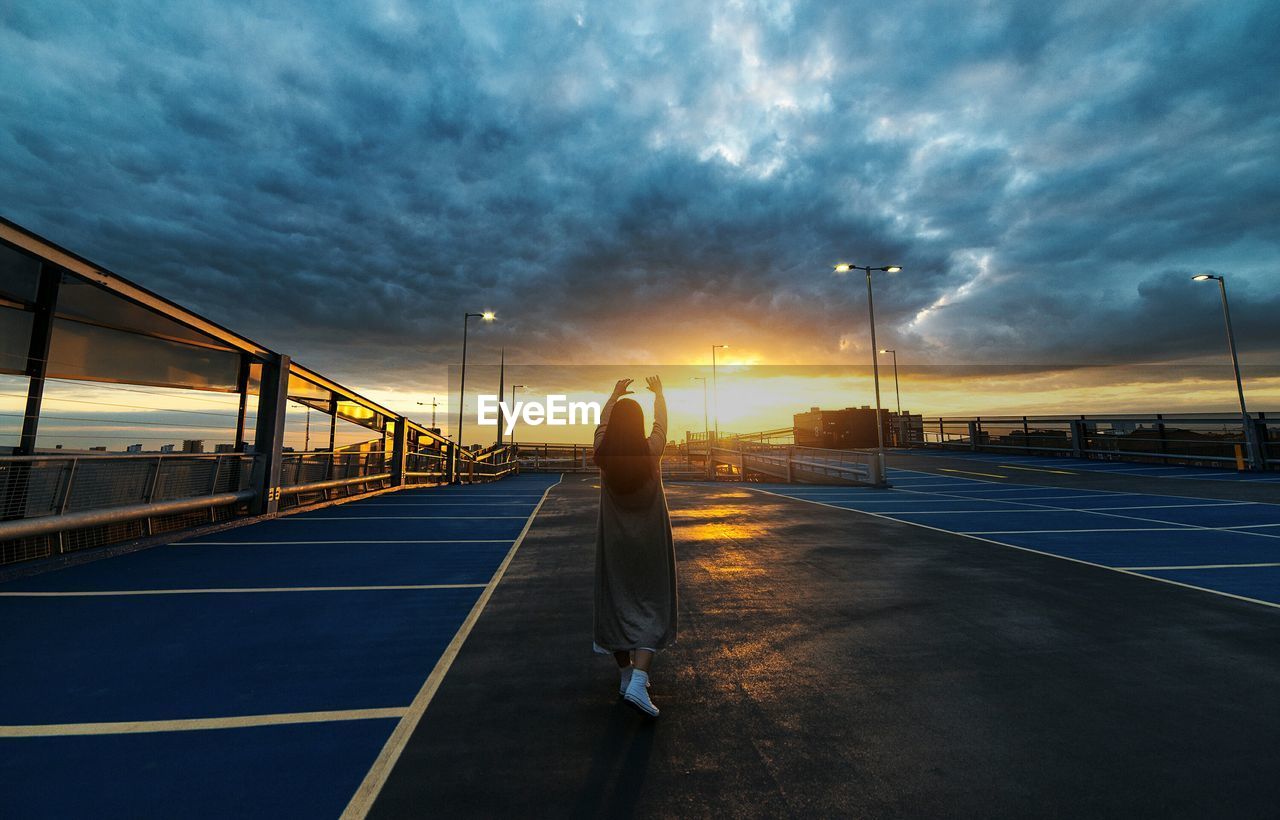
[973,436]
[150,494]
[268,440]
[63,500]
[873,473]
[1255,435]
[399,452]
[38,353]
[789,474]
[1077,438]
[213,487]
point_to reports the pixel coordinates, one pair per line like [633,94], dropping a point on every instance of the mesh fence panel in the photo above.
[43,486]
[110,482]
[185,478]
[31,488]
[26,549]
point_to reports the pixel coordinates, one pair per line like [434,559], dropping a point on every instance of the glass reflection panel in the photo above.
[15,339]
[306,391]
[19,274]
[78,299]
[90,353]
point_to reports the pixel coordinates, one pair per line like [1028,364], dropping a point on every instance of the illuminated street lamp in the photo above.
[1235,360]
[706,426]
[513,405]
[715,391]
[462,386]
[896,392]
[845,267]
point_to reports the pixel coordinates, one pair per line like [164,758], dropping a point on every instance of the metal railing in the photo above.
[308,478]
[426,468]
[52,505]
[560,458]
[790,462]
[490,464]
[1205,439]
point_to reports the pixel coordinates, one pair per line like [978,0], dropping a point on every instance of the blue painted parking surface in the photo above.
[336,615]
[298,770]
[1088,465]
[1223,546]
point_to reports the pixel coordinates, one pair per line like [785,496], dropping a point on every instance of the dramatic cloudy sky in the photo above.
[627,182]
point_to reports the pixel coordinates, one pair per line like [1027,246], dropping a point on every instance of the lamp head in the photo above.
[487,316]
[892,269]
[1203,277]
[843,267]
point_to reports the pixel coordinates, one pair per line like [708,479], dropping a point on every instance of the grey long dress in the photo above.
[635,556]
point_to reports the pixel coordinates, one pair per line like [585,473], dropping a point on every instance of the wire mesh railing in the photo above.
[556,457]
[56,504]
[1204,439]
[490,464]
[301,469]
[796,463]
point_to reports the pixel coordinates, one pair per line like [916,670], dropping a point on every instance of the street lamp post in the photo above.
[715,387]
[896,392]
[462,385]
[706,426]
[513,404]
[875,359]
[1235,363]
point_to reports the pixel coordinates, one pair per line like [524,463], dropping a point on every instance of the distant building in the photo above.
[133,448]
[224,448]
[166,448]
[98,449]
[847,429]
[908,429]
[193,445]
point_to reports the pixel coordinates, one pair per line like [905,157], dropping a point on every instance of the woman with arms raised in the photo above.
[635,608]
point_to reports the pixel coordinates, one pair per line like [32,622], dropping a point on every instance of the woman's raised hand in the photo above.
[655,383]
[620,389]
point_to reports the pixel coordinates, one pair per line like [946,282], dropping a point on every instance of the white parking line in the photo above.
[1031,504]
[195,724]
[306,518]
[1101,529]
[349,541]
[1172,506]
[377,775]
[221,590]
[1055,555]
[1202,566]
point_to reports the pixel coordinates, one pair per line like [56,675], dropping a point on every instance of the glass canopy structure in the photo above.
[67,321]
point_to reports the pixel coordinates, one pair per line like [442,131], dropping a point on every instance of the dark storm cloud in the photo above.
[623,182]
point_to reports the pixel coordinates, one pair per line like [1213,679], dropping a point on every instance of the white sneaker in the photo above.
[624,678]
[637,694]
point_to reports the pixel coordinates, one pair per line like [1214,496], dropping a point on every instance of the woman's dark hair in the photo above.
[623,457]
